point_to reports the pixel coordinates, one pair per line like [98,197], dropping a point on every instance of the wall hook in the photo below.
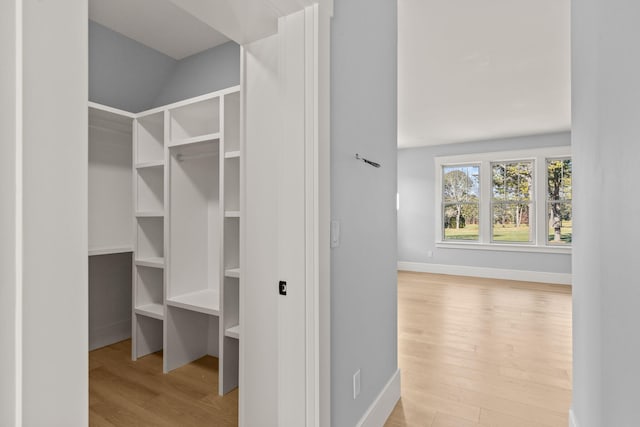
[367,161]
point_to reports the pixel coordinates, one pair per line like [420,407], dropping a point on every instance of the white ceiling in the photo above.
[158,24]
[479,69]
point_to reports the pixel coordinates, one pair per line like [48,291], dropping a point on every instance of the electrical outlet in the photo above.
[356,384]
[429,254]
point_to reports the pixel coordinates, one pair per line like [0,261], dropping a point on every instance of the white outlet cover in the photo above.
[356,384]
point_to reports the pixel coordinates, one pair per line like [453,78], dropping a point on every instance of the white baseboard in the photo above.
[572,419]
[382,407]
[485,272]
[110,334]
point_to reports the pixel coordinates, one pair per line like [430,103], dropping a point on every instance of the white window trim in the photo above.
[539,157]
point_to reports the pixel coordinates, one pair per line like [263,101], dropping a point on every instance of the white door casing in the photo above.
[286,176]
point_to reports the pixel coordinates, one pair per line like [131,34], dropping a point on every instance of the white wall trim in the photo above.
[381,408]
[504,247]
[572,419]
[18,212]
[486,272]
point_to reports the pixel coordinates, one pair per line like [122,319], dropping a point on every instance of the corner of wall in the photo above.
[572,419]
[383,405]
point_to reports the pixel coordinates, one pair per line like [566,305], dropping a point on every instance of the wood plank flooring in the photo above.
[124,393]
[473,352]
[482,352]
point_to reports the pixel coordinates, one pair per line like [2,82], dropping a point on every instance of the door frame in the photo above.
[303,76]
[317,202]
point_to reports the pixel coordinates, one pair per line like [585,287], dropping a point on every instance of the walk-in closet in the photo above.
[165,202]
[204,183]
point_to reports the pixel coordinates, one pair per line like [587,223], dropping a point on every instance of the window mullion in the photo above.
[485,202]
[540,192]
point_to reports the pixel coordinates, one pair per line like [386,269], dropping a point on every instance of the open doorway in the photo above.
[485,213]
[164,212]
[184,246]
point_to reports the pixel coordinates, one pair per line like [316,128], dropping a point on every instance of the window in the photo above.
[517,200]
[512,203]
[559,226]
[461,202]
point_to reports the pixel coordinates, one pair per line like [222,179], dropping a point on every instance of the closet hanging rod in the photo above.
[182,157]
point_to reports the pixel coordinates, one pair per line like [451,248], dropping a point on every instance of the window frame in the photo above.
[539,236]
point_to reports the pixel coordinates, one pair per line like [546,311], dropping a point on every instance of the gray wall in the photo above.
[606,65]
[128,75]
[363,268]
[109,299]
[416,217]
[205,72]
[124,73]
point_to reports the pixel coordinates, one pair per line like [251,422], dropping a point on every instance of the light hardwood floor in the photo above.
[125,393]
[473,352]
[482,352]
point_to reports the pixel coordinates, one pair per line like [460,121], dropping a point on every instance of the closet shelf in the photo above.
[154,164]
[207,302]
[155,311]
[150,214]
[233,332]
[155,262]
[232,214]
[110,251]
[232,155]
[232,272]
[194,140]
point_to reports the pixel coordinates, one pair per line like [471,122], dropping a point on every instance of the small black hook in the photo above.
[367,161]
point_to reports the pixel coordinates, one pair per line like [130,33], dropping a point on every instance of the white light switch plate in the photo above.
[335,234]
[356,384]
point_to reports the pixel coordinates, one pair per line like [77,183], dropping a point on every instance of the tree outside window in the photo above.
[559,186]
[508,201]
[512,201]
[461,202]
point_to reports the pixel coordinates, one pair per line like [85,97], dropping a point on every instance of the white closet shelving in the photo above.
[193,291]
[110,223]
[186,226]
[173,199]
[110,193]
[231,273]
[149,195]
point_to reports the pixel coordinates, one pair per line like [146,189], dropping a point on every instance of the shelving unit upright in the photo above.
[148,311]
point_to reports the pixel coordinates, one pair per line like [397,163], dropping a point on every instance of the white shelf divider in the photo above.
[110,251]
[233,332]
[232,155]
[206,301]
[155,262]
[232,214]
[150,214]
[194,140]
[154,164]
[155,311]
[232,272]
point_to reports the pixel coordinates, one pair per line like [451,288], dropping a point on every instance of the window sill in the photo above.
[505,247]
